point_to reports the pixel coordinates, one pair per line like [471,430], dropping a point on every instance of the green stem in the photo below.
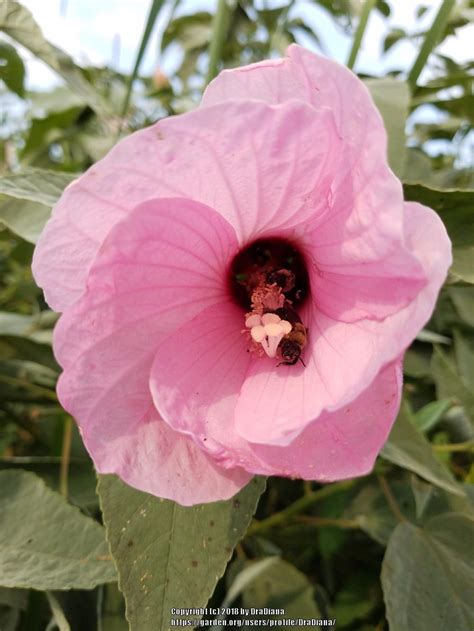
[225,8]
[305,502]
[431,39]
[65,458]
[467,446]
[273,37]
[152,15]
[391,501]
[359,34]
[320,522]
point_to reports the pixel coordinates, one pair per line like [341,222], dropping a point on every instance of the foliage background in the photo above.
[390,550]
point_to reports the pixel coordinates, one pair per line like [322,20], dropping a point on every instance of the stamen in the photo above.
[253,320]
[269,333]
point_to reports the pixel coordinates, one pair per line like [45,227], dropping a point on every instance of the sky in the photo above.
[109,32]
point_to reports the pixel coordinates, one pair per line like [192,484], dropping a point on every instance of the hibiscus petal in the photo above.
[158,268]
[340,444]
[264,168]
[357,243]
[313,79]
[196,378]
[196,390]
[373,289]
[342,359]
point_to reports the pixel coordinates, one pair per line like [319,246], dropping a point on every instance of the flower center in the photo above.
[269,279]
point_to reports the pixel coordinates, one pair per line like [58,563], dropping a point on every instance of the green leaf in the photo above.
[168,555]
[463,299]
[455,207]
[464,348]
[426,577]
[191,31]
[449,383]
[408,449]
[24,218]
[26,199]
[430,414]
[281,586]
[18,22]
[372,512]
[244,578]
[416,362]
[392,37]
[392,96]
[45,543]
[12,70]
[36,185]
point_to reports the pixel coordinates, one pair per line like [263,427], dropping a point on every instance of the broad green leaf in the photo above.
[24,218]
[18,22]
[455,208]
[168,555]
[392,96]
[26,199]
[36,185]
[12,70]
[449,383]
[281,586]
[426,575]
[408,449]
[45,543]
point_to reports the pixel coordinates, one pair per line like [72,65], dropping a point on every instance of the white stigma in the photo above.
[267,330]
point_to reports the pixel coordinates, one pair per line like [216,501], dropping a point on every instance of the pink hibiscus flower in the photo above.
[239,285]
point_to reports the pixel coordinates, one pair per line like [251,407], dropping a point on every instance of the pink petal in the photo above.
[259,166]
[157,269]
[196,378]
[304,76]
[351,291]
[196,390]
[343,358]
[155,459]
[340,444]
[362,219]
[312,79]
